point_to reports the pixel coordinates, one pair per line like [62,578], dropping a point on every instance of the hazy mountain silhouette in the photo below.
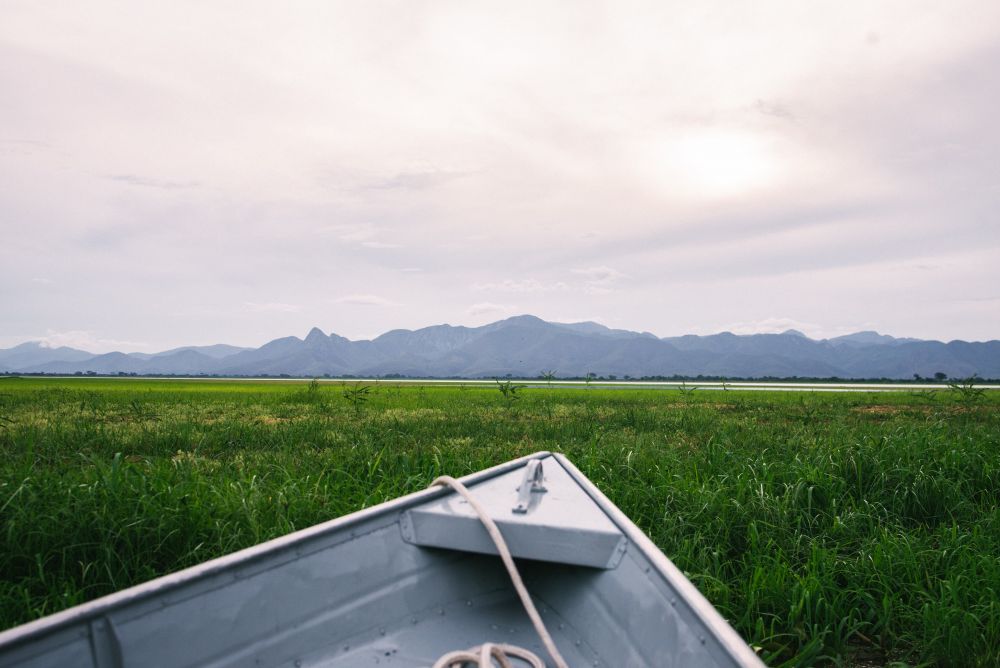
[35,352]
[526,345]
[217,351]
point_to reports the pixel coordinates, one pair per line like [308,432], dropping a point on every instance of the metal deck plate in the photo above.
[562,524]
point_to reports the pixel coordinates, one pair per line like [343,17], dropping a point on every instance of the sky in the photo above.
[179,173]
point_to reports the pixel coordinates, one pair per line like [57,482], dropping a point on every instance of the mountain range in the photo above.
[525,346]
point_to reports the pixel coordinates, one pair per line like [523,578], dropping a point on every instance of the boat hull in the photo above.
[355,592]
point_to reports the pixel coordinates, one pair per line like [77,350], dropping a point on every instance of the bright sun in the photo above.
[711,164]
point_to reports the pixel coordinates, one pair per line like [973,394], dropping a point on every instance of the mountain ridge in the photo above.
[526,345]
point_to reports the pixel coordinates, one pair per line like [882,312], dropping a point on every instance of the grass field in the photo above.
[852,528]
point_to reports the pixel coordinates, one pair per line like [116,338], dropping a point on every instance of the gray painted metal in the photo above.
[353,592]
[532,482]
[561,524]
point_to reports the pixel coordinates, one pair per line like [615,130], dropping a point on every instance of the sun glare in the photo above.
[711,164]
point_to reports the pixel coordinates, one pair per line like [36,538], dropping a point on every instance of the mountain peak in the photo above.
[867,337]
[794,332]
[525,319]
[33,345]
[585,326]
[315,334]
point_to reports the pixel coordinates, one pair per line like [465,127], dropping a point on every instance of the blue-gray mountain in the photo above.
[524,346]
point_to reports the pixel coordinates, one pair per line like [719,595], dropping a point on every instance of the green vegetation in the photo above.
[508,390]
[853,528]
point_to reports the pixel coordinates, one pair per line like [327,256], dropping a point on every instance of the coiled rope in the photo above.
[483,655]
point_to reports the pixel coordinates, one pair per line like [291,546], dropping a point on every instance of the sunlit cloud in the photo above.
[709,163]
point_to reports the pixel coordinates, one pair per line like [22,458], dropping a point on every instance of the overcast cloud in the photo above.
[177,173]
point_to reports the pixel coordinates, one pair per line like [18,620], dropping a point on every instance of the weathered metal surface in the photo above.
[353,592]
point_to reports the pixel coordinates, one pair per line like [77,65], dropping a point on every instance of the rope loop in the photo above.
[484,655]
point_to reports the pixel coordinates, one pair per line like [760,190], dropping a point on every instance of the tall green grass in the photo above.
[828,528]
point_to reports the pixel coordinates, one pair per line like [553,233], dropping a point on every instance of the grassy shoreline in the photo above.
[856,528]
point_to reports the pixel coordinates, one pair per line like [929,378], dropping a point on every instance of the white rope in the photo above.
[484,654]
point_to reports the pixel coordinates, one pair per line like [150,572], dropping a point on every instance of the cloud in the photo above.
[145,182]
[88,341]
[363,234]
[774,109]
[599,280]
[379,244]
[489,308]
[270,307]
[43,281]
[524,285]
[600,275]
[416,180]
[498,151]
[351,232]
[989,300]
[365,300]
[596,280]
[22,146]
